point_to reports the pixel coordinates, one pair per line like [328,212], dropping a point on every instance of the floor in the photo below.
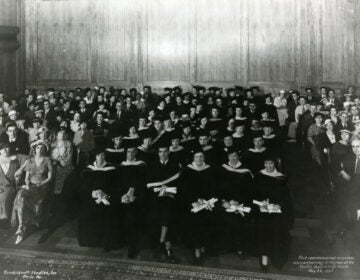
[312,252]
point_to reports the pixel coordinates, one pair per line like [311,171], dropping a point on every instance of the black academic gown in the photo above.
[132,175]
[115,155]
[180,156]
[235,184]
[162,210]
[255,160]
[96,220]
[273,229]
[196,185]
[146,155]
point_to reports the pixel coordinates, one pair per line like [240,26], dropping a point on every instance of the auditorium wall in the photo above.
[9,58]
[131,43]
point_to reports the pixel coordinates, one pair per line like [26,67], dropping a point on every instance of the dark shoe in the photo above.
[4,224]
[170,257]
[264,268]
[199,261]
[242,256]
[132,253]
[159,251]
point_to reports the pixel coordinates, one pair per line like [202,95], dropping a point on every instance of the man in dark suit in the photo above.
[120,118]
[84,112]
[343,123]
[333,100]
[49,114]
[350,188]
[18,142]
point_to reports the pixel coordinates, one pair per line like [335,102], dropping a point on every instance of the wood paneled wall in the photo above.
[272,43]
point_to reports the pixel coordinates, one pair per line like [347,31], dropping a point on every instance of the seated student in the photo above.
[18,142]
[162,188]
[187,140]
[204,125]
[224,147]
[100,129]
[275,216]
[241,141]
[98,203]
[33,131]
[115,153]
[29,201]
[132,137]
[146,151]
[208,149]
[198,187]
[131,184]
[254,157]
[271,140]
[159,134]
[177,152]
[234,188]
[84,143]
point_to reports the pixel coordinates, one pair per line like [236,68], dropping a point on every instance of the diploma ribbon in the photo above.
[100,197]
[129,196]
[165,189]
[266,207]
[235,207]
[203,204]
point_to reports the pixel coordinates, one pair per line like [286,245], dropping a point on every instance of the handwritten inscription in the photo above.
[323,264]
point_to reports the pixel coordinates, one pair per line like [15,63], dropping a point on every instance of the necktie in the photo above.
[303,110]
[357,165]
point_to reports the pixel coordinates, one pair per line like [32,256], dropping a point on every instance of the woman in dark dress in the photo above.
[198,187]
[235,188]
[98,202]
[275,216]
[324,142]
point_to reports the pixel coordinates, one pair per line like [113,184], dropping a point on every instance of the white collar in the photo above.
[257,151]
[129,163]
[171,149]
[236,166]
[94,167]
[275,173]
[271,136]
[112,150]
[207,148]
[164,162]
[193,166]
[237,136]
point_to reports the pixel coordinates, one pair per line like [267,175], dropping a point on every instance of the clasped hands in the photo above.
[129,197]
[100,197]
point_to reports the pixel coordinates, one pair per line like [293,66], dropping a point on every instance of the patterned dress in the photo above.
[64,153]
[29,200]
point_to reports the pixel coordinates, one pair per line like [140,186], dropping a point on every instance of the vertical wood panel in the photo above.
[166,42]
[8,12]
[272,40]
[218,40]
[50,40]
[76,52]
[332,24]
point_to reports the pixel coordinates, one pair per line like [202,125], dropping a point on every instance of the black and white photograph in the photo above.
[180,139]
